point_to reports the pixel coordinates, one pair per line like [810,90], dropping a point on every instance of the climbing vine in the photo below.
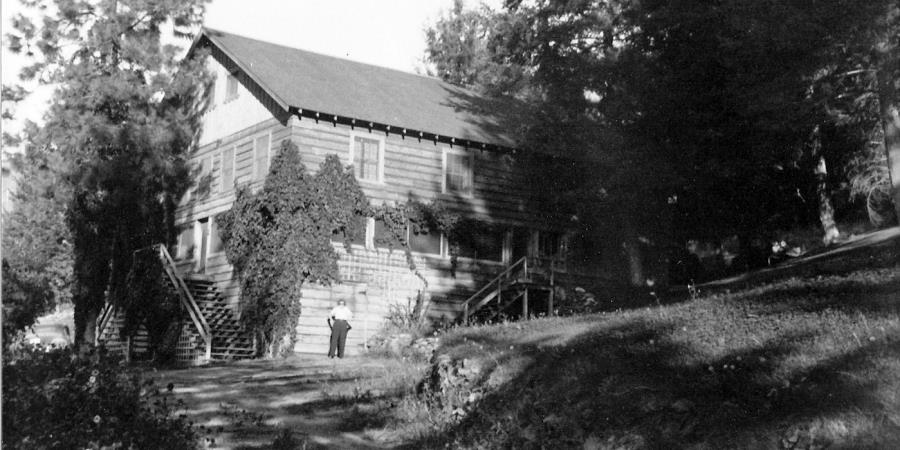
[280,238]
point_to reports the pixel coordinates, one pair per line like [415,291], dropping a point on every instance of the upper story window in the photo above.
[261,156]
[367,157]
[231,87]
[227,169]
[204,177]
[458,174]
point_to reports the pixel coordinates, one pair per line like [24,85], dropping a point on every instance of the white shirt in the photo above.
[341,312]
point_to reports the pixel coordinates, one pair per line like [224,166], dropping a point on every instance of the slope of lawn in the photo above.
[799,363]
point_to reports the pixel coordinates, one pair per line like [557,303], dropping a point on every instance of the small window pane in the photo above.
[366,156]
[186,242]
[227,169]
[215,242]
[481,244]
[428,243]
[459,174]
[231,87]
[261,152]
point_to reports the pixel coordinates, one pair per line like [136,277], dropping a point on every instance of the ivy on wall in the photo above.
[280,238]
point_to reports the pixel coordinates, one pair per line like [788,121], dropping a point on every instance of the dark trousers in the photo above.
[339,330]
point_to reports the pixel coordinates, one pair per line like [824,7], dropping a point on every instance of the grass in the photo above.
[808,362]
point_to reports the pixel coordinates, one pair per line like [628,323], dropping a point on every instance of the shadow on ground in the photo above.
[246,404]
[797,365]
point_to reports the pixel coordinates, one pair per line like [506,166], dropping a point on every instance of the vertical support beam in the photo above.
[525,303]
[552,292]
[465,313]
[128,349]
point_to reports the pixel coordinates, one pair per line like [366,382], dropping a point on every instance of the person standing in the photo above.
[339,322]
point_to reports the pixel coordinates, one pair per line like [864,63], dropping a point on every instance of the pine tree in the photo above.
[122,121]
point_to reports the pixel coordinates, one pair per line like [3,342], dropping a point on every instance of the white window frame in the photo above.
[223,188]
[253,175]
[381,150]
[370,233]
[471,155]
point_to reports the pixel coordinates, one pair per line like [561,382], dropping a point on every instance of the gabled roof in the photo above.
[299,80]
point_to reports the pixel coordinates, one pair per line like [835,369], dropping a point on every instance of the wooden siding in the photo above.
[372,279]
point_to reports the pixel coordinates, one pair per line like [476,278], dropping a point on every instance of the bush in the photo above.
[403,324]
[55,399]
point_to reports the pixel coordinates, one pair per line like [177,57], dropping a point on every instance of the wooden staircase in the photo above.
[211,330]
[229,338]
[523,284]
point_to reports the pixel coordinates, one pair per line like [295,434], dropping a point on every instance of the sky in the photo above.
[385,33]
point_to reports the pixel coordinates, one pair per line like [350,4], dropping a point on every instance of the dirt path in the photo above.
[247,404]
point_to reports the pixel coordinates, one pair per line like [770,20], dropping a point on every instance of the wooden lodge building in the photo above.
[407,137]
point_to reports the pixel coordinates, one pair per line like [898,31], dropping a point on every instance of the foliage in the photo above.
[150,301]
[52,399]
[871,182]
[280,237]
[462,48]
[696,118]
[23,302]
[122,122]
[36,242]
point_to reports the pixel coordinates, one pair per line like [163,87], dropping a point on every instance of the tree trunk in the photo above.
[88,336]
[890,122]
[826,209]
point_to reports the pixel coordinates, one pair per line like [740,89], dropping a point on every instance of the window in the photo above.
[548,244]
[227,169]
[458,173]
[486,244]
[204,178]
[366,157]
[185,242]
[231,87]
[261,157]
[422,242]
[211,94]
[215,241]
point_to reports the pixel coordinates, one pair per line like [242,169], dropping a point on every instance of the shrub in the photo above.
[55,399]
[403,324]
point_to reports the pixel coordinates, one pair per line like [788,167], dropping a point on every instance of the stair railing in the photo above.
[106,315]
[495,283]
[187,299]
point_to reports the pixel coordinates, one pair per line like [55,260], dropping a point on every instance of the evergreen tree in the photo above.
[122,121]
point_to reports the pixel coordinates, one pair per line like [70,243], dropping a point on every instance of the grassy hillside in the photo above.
[799,363]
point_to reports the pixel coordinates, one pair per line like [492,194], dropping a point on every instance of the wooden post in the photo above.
[552,293]
[525,305]
[465,313]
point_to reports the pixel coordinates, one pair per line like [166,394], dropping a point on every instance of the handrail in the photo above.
[522,261]
[105,315]
[187,299]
